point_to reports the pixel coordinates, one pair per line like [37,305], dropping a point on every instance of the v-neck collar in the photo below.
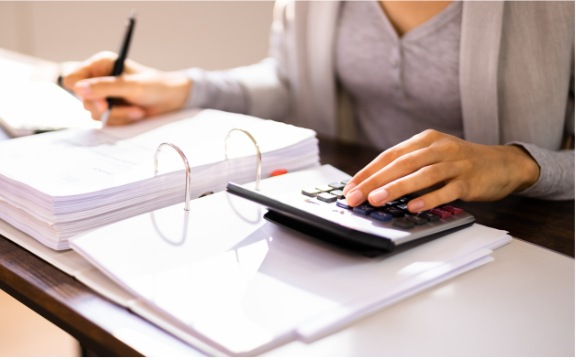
[427,27]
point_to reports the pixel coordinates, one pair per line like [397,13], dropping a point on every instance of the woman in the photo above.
[500,75]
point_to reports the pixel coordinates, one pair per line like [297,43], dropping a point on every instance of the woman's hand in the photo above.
[467,171]
[144,91]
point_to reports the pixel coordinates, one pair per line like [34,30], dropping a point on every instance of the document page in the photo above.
[73,162]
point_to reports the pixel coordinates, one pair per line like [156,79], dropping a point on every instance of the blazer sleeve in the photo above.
[260,90]
[556,180]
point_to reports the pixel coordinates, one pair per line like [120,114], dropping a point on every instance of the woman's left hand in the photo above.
[467,171]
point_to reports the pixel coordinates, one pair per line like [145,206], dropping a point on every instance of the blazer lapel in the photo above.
[479,54]
[321,31]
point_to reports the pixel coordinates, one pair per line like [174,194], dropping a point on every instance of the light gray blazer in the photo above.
[516,79]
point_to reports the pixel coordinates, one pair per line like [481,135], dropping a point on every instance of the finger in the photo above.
[448,193]
[96,107]
[399,168]
[422,140]
[108,86]
[123,115]
[98,65]
[421,179]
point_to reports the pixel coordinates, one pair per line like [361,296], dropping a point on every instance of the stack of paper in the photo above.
[243,285]
[54,109]
[57,185]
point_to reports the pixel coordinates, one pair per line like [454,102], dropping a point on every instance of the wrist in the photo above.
[524,166]
[180,86]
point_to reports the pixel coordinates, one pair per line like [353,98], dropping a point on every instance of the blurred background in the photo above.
[168,36]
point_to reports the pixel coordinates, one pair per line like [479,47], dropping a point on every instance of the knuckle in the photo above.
[433,172]
[407,162]
[108,55]
[459,188]
[429,133]
[451,146]
[395,189]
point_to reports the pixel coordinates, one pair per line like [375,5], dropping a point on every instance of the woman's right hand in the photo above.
[145,91]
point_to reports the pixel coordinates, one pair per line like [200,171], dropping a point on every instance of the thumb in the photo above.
[108,86]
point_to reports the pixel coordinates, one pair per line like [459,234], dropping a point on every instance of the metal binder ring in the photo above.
[258,154]
[187,192]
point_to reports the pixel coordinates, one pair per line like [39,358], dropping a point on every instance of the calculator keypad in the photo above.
[396,210]
[343,204]
[363,209]
[326,197]
[338,193]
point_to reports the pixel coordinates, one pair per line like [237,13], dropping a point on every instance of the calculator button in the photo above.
[336,185]
[411,196]
[403,199]
[428,216]
[402,207]
[442,213]
[328,198]
[345,182]
[403,224]
[453,210]
[338,193]
[416,220]
[363,209]
[324,188]
[393,203]
[343,204]
[312,192]
[381,216]
[397,213]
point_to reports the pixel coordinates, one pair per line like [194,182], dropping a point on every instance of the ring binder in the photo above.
[186,164]
[258,154]
[184,229]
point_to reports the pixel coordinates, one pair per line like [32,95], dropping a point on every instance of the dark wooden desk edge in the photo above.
[57,296]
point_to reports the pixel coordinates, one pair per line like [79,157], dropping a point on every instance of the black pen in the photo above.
[119,63]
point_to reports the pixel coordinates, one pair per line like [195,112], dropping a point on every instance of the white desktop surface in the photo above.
[522,304]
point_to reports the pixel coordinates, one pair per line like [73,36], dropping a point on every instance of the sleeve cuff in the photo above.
[556,181]
[198,97]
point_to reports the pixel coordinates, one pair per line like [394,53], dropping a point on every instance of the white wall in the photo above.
[168,36]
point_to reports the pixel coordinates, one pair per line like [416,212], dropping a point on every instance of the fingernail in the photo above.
[83,88]
[349,187]
[415,205]
[378,196]
[354,198]
[135,114]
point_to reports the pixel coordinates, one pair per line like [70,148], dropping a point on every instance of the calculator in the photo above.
[322,212]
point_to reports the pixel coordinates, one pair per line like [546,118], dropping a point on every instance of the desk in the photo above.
[508,307]
[522,304]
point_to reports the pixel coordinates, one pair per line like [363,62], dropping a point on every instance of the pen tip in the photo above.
[133,14]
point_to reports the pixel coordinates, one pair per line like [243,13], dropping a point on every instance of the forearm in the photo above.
[216,90]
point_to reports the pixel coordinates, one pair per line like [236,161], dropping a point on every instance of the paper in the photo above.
[27,106]
[61,184]
[248,285]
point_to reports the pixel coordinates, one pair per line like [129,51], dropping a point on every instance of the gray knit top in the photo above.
[400,86]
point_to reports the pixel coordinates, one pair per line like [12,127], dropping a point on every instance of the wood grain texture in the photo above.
[93,320]
[62,300]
